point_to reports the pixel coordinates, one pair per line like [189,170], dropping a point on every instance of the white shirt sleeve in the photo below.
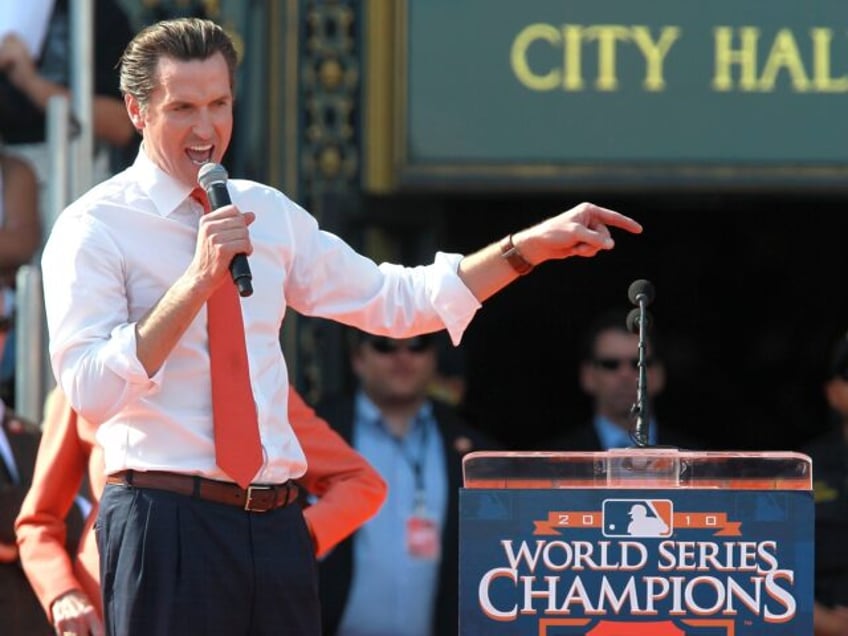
[387,299]
[92,344]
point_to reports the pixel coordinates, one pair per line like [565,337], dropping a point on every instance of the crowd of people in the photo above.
[341,520]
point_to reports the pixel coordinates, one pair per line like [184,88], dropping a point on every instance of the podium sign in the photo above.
[695,559]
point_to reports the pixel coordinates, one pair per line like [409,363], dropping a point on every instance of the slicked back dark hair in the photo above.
[182,39]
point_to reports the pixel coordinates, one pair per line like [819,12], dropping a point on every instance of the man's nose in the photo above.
[203,127]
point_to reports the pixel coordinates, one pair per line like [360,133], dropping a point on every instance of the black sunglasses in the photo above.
[417,344]
[613,364]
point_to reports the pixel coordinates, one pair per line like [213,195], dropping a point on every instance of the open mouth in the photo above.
[200,154]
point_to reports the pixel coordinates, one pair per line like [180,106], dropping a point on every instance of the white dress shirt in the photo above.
[29,21]
[113,253]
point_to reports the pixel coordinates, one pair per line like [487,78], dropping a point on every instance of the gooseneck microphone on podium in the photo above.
[641,293]
[212,177]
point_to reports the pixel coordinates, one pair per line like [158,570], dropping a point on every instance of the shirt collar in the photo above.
[166,192]
[366,411]
[613,436]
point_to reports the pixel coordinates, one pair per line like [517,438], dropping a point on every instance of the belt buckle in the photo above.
[248,498]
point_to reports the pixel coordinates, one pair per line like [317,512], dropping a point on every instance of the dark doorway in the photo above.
[750,294]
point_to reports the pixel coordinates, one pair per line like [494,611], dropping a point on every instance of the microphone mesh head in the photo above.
[633,320]
[210,173]
[641,287]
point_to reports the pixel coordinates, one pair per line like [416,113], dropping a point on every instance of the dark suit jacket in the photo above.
[586,438]
[336,571]
[22,614]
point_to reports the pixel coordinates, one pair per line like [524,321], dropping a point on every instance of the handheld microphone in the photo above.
[212,177]
[641,293]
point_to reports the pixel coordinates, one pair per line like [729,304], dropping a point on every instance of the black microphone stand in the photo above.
[640,408]
[641,293]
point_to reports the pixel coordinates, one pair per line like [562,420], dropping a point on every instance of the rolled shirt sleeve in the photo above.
[327,278]
[92,342]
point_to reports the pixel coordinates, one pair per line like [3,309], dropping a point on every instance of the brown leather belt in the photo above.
[256,498]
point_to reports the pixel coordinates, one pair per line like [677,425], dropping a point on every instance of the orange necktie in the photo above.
[238,449]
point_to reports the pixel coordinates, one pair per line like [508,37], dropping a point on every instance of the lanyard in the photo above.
[417,464]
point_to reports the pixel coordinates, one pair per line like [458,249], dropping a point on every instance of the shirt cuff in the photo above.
[451,298]
[121,358]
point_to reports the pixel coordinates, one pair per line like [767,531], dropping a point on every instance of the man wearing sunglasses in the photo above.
[608,374]
[829,453]
[398,574]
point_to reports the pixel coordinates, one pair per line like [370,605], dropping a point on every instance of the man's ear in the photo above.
[134,111]
[656,381]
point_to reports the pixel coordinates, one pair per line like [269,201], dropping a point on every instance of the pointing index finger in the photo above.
[615,219]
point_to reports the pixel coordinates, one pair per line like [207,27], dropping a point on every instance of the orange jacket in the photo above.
[351,492]
[66,452]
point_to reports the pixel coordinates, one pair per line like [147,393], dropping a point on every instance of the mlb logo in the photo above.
[638,518]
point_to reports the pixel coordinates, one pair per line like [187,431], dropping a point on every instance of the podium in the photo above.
[630,542]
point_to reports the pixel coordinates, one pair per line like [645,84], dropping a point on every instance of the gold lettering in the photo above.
[726,57]
[572,37]
[784,54]
[822,79]
[607,36]
[573,60]
[654,54]
[520,64]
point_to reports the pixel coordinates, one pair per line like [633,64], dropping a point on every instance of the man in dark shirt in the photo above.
[829,453]
[609,375]
[398,574]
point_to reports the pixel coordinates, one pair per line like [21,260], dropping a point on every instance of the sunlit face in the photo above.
[189,117]
[614,389]
[836,391]
[397,377]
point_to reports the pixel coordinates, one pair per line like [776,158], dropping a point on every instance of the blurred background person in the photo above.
[28,80]
[829,453]
[398,574]
[20,237]
[28,19]
[35,58]
[609,375]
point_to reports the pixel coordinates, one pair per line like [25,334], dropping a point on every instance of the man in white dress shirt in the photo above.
[128,271]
